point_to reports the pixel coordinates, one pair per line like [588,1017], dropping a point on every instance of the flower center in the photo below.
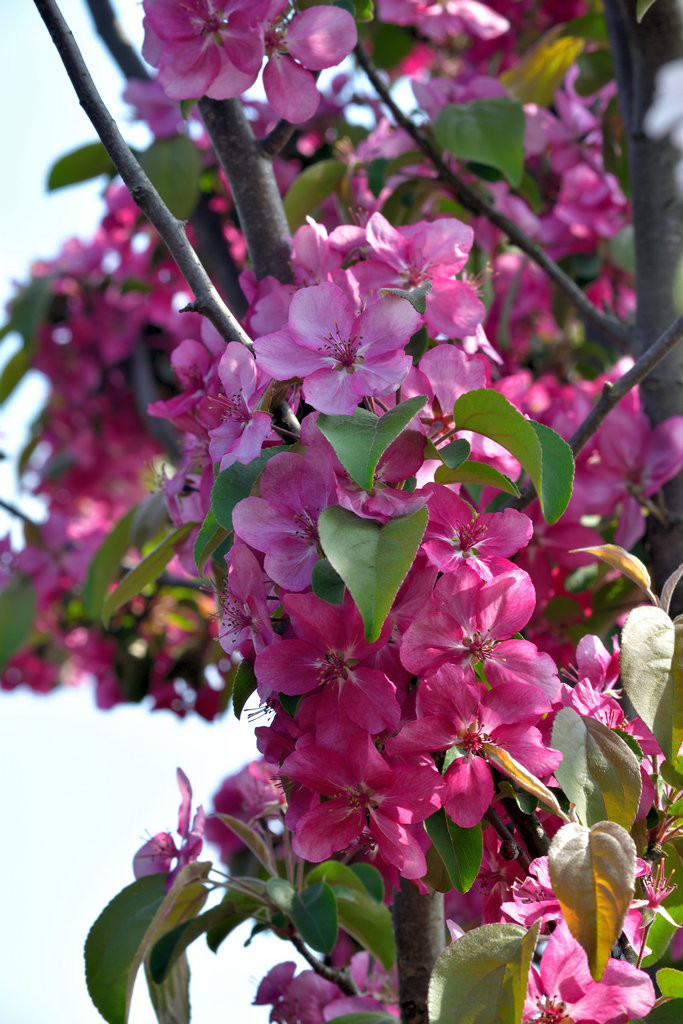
[343,349]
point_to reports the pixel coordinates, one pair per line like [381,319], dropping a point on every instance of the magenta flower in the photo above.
[564,991]
[368,803]
[242,431]
[469,620]
[159,852]
[343,356]
[204,47]
[330,651]
[456,534]
[245,624]
[283,522]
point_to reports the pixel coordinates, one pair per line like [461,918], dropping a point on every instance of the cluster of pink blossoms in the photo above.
[216,48]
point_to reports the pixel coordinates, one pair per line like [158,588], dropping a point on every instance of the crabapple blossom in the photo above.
[159,852]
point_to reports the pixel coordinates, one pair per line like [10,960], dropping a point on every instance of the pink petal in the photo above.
[321,37]
[291,89]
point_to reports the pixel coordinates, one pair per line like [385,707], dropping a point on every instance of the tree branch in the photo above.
[611,395]
[419,929]
[277,138]
[116,41]
[340,978]
[207,300]
[476,203]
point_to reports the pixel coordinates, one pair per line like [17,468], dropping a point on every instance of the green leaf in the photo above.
[209,538]
[326,583]
[235,483]
[171,998]
[241,907]
[146,571]
[593,874]
[105,565]
[372,560]
[122,935]
[651,663]
[310,188]
[313,911]
[390,44]
[417,297]
[28,309]
[454,454]
[173,166]
[14,370]
[244,685]
[599,773]
[670,982]
[539,73]
[479,473]
[361,913]
[361,439]
[171,945]
[251,839]
[459,848]
[81,164]
[482,977]
[540,451]
[487,131]
[666,1013]
[17,613]
[642,7]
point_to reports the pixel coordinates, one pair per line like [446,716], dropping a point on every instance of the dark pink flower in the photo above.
[159,852]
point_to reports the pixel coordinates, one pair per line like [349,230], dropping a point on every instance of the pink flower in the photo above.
[564,991]
[368,803]
[159,852]
[343,356]
[242,431]
[204,47]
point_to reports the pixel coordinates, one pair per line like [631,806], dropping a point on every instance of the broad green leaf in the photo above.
[482,976]
[670,982]
[361,439]
[209,538]
[486,131]
[241,907]
[310,188]
[505,762]
[540,451]
[326,583]
[459,848]
[624,561]
[313,911]
[170,946]
[480,473]
[361,914]
[81,164]
[670,1012]
[243,687]
[17,614]
[537,76]
[455,454]
[106,563]
[642,7]
[599,773]
[251,839]
[171,998]
[235,483]
[652,673]
[14,370]
[120,938]
[146,571]
[372,560]
[417,297]
[28,309]
[390,44]
[593,874]
[174,166]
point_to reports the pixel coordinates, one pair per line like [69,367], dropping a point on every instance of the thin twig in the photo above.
[14,511]
[504,833]
[207,300]
[277,138]
[114,38]
[611,395]
[477,204]
[340,978]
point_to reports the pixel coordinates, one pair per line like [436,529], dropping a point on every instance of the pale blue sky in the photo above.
[81,788]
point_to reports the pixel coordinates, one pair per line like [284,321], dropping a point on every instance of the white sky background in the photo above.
[81,788]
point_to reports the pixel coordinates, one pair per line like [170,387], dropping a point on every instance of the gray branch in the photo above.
[206,299]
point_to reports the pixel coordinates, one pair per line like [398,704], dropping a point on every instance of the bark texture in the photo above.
[638,51]
[419,930]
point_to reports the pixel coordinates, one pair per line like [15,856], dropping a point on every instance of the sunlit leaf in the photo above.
[593,874]
[624,561]
[522,776]
[482,976]
[373,560]
[310,188]
[540,71]
[651,663]
[598,773]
